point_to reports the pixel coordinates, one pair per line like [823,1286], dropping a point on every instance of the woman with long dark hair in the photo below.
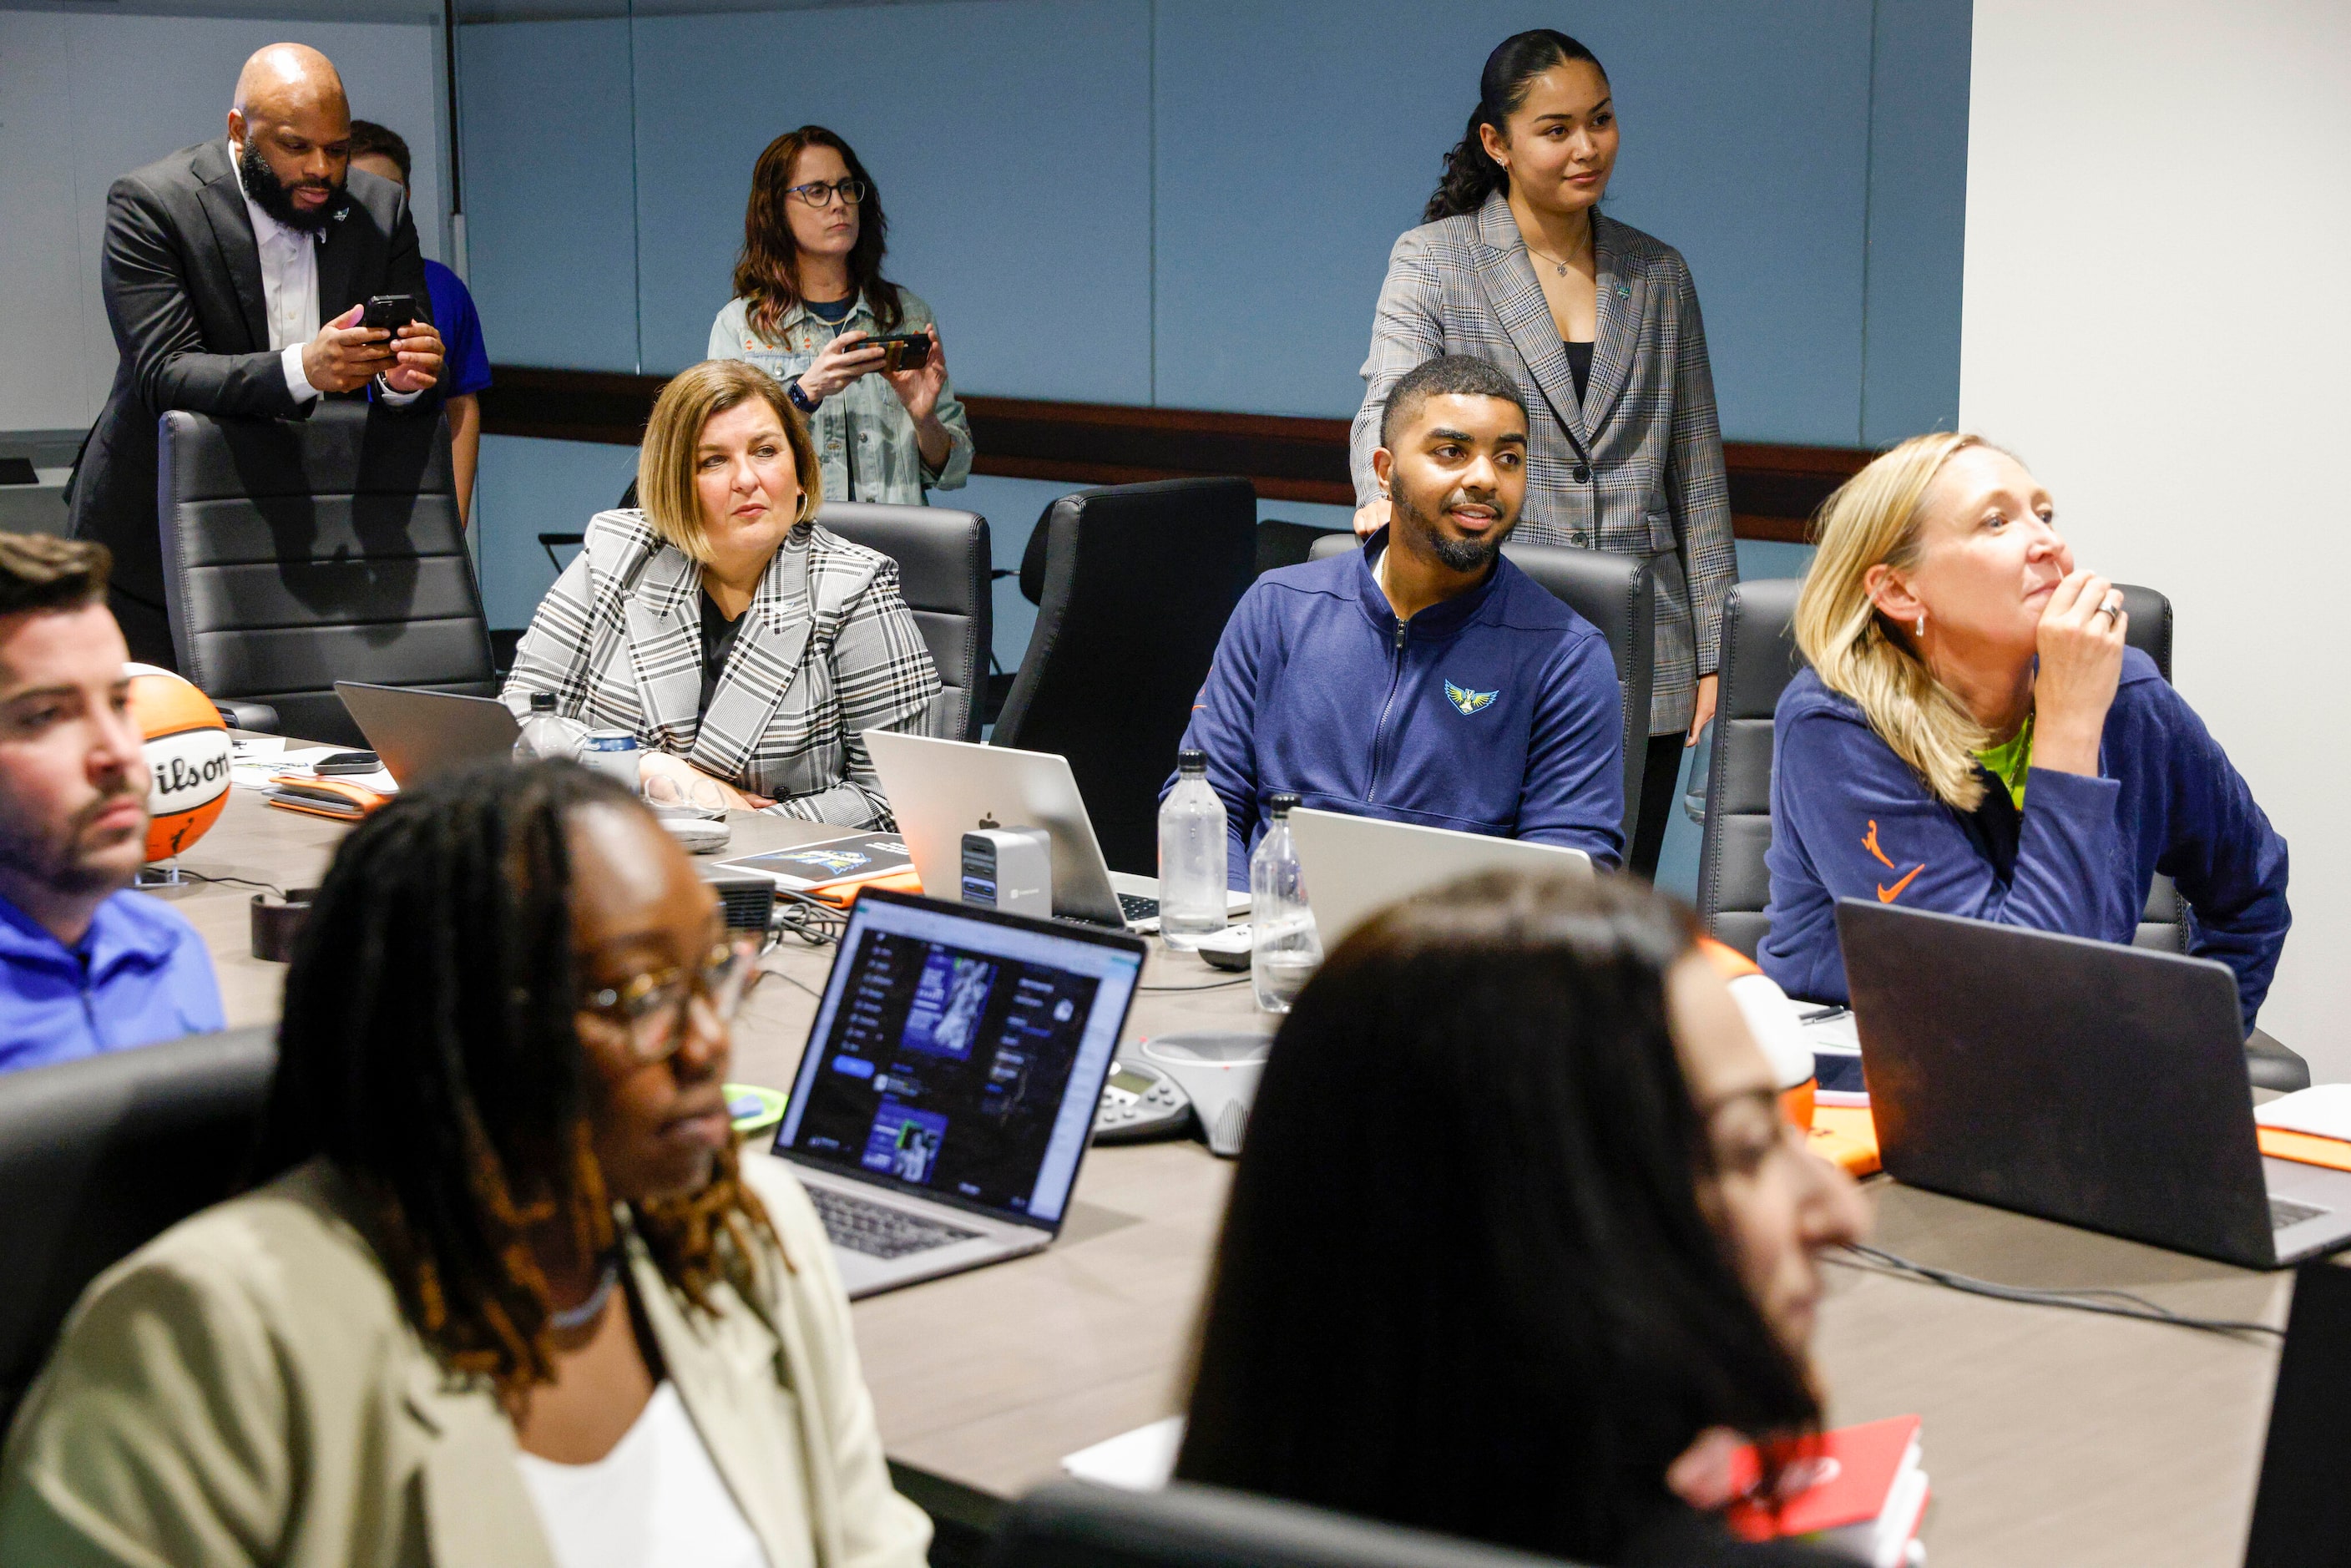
[810,299]
[1519,1236]
[511,1296]
[1598,324]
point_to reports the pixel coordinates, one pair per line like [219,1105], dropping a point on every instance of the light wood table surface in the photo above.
[2053,1437]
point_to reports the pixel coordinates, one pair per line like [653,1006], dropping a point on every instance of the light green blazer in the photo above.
[864,436]
[246,1390]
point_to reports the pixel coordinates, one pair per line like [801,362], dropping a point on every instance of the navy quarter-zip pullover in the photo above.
[1850,820]
[1496,712]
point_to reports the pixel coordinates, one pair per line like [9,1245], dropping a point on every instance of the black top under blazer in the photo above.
[1634,466]
[180,274]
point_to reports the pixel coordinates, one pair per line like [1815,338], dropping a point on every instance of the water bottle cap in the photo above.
[543,702]
[1191,759]
[1282,803]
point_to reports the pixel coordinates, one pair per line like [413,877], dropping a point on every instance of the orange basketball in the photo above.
[187,758]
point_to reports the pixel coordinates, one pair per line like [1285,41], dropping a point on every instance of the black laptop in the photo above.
[2100,1085]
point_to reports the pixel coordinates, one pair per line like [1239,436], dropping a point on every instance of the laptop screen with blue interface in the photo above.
[960,1057]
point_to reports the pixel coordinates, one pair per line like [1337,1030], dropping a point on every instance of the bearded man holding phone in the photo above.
[237,275]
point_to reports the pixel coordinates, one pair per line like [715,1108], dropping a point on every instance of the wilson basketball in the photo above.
[187,758]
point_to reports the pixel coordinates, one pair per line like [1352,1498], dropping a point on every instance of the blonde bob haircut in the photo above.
[666,487]
[1874,519]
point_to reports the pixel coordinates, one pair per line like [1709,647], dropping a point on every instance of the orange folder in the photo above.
[1845,1135]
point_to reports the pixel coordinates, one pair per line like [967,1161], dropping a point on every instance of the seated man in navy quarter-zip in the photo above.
[86,964]
[1423,678]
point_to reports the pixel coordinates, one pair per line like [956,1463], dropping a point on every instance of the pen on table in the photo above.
[1822,1015]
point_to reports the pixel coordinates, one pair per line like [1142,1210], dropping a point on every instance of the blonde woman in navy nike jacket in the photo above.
[1974,736]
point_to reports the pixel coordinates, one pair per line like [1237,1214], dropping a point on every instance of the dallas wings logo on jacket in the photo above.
[1467,700]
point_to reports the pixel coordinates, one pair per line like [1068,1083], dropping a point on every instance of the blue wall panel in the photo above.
[1010,140]
[525,488]
[1917,218]
[550,230]
[1281,188]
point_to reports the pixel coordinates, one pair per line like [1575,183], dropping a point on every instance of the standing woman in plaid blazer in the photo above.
[745,647]
[1598,324]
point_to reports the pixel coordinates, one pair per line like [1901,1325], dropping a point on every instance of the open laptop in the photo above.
[2301,1513]
[419,733]
[2100,1085]
[1356,866]
[940,789]
[949,1087]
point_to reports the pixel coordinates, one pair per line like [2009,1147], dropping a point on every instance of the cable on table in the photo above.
[2111,1303]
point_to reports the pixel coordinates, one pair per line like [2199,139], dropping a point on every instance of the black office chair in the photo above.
[943,571]
[1281,544]
[1759,659]
[300,552]
[99,1156]
[1612,592]
[1070,1524]
[1133,584]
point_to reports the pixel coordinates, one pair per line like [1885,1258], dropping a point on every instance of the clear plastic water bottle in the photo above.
[1284,949]
[1191,856]
[547,733]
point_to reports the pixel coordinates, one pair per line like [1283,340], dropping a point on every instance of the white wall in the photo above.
[84,99]
[2158,317]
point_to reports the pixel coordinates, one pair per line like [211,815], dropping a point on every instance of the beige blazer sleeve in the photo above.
[90,1477]
[871,1525]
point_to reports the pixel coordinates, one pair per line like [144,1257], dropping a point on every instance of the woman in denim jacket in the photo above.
[809,298]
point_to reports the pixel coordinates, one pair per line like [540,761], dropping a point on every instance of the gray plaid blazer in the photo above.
[1636,468]
[829,651]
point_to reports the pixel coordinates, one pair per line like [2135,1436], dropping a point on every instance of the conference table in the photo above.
[2052,1435]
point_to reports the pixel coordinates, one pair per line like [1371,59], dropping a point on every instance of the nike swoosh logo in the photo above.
[1888,894]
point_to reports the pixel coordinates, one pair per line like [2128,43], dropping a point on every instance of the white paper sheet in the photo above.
[1140,1460]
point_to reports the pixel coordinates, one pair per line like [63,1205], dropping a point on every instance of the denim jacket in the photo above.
[864,434]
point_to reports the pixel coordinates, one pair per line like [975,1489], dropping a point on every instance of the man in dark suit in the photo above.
[236,275]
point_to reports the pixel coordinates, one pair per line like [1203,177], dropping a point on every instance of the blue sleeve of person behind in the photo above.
[466,367]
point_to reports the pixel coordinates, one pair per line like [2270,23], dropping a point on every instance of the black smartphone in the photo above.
[343,762]
[901,351]
[389,312]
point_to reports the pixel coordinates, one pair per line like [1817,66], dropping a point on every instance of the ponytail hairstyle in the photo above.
[1874,519]
[1470,176]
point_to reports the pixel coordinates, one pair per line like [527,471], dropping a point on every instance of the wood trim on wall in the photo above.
[1774,489]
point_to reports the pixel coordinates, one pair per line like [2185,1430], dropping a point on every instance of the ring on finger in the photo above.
[2113,608]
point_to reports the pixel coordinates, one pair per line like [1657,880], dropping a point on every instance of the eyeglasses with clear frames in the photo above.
[820,194]
[652,1008]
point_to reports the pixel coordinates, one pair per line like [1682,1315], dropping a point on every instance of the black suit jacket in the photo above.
[182,276]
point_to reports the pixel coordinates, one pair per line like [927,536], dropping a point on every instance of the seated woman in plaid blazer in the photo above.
[746,649]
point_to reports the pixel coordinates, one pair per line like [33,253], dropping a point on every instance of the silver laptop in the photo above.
[419,733]
[940,789]
[948,1086]
[1356,866]
[2100,1085]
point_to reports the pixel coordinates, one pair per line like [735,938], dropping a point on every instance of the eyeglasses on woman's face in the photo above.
[820,195]
[653,1008]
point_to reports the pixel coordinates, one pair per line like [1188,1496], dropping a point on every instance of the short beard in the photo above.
[56,861]
[1464,555]
[273,196]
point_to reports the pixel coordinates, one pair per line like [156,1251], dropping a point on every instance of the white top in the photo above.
[656,1501]
[289,290]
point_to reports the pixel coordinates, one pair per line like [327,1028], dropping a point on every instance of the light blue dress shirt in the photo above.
[140,975]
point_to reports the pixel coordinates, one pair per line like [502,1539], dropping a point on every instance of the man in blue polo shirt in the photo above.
[85,964]
[1423,678]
